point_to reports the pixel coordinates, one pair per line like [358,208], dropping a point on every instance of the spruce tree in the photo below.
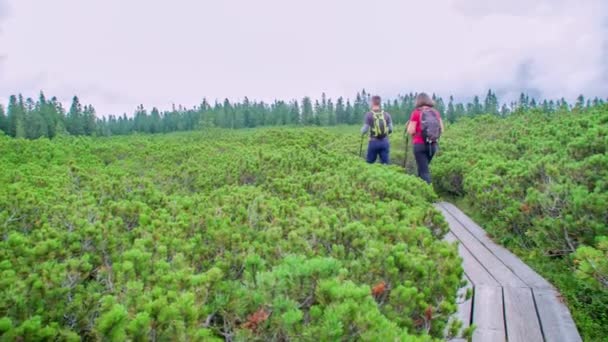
[504,110]
[331,113]
[340,112]
[359,108]
[307,111]
[15,117]
[49,115]
[580,102]
[460,111]
[533,103]
[3,120]
[319,114]
[491,103]
[439,104]
[140,120]
[35,125]
[523,102]
[89,120]
[349,114]
[155,121]
[294,113]
[477,108]
[75,124]
[451,112]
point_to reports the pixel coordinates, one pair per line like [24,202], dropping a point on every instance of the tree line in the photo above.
[26,118]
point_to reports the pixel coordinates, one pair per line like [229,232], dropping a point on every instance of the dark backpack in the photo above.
[379,128]
[430,125]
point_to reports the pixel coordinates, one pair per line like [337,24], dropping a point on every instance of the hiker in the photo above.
[380,125]
[425,127]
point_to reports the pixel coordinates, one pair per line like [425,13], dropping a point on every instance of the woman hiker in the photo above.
[425,127]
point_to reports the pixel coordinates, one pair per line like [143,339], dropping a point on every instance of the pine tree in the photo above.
[89,120]
[477,108]
[533,103]
[551,106]
[460,111]
[451,112]
[359,108]
[331,113]
[340,112]
[155,121]
[349,114]
[523,102]
[504,110]
[229,115]
[580,102]
[439,104]
[35,125]
[307,111]
[50,117]
[15,117]
[294,113]
[3,120]
[319,114]
[140,120]
[75,124]
[491,103]
[247,113]
[563,104]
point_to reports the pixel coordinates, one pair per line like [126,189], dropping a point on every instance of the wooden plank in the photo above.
[488,314]
[483,255]
[473,269]
[464,310]
[520,315]
[555,317]
[465,306]
[523,271]
[531,314]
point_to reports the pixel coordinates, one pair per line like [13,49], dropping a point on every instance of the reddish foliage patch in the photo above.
[428,313]
[255,319]
[379,289]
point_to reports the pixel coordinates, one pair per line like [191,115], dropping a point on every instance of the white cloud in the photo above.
[117,54]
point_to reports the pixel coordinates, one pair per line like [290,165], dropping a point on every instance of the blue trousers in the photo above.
[378,147]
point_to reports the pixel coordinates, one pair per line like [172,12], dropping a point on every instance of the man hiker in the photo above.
[379,125]
[425,126]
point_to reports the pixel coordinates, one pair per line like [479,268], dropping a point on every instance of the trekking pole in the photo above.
[361,146]
[407,143]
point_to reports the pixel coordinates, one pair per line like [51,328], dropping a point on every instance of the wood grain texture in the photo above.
[520,315]
[523,271]
[510,300]
[482,254]
[488,314]
[555,317]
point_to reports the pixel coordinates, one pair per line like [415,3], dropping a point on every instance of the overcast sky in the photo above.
[116,54]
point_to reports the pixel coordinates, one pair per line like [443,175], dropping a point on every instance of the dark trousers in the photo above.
[424,154]
[378,147]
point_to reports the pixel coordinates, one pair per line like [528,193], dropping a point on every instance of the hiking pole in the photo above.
[407,143]
[361,147]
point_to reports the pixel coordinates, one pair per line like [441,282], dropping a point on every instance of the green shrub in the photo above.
[539,184]
[252,235]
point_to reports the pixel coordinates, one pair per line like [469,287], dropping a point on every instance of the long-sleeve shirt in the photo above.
[369,121]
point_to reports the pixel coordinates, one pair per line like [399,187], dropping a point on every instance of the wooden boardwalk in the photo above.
[510,301]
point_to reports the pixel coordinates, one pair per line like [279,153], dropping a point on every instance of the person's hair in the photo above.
[376,100]
[423,99]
